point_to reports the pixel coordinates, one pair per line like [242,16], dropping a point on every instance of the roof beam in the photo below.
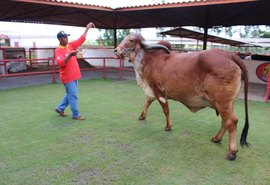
[182,4]
[66,4]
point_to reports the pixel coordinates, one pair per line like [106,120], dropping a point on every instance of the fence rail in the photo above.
[52,67]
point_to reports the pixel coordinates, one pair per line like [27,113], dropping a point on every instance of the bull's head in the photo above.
[129,46]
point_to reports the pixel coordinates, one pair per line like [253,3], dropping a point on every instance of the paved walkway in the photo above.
[256,91]
[22,81]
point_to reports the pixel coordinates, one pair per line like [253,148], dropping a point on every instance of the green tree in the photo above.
[106,37]
[264,34]
[244,31]
[218,30]
[121,34]
[254,32]
[249,32]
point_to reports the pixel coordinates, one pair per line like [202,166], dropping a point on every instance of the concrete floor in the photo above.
[256,91]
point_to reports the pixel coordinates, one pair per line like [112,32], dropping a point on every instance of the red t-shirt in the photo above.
[70,71]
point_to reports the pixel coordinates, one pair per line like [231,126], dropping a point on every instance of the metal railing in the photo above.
[52,67]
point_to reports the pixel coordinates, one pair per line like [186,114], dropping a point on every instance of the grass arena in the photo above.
[113,147]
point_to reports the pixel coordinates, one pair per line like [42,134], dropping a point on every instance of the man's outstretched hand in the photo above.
[90,25]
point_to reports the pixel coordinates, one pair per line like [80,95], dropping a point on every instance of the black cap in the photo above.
[62,34]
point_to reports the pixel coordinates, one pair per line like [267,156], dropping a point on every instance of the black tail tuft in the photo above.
[243,140]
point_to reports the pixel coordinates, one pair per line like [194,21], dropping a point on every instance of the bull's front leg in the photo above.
[160,94]
[218,137]
[165,106]
[147,103]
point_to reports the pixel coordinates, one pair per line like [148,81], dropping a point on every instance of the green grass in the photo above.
[113,147]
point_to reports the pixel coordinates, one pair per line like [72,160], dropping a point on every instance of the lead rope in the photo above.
[134,53]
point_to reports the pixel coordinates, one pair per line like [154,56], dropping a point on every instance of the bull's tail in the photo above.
[240,63]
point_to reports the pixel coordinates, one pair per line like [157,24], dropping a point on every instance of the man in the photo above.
[65,56]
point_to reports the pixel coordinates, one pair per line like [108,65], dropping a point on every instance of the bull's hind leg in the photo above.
[230,122]
[147,103]
[232,130]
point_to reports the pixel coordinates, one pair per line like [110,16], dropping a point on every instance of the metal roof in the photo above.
[201,13]
[185,33]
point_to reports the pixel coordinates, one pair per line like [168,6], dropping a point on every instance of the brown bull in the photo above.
[200,79]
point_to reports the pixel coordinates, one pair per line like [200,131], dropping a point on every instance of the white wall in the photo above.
[102,53]
[252,66]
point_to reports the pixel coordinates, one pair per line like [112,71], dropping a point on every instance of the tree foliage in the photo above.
[254,32]
[243,31]
[218,30]
[106,37]
[264,34]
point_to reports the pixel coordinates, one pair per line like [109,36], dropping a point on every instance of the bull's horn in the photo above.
[157,46]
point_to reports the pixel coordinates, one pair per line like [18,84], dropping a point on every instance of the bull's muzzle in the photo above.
[117,53]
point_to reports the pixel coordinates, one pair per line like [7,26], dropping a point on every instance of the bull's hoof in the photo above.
[232,155]
[216,140]
[167,129]
[141,118]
